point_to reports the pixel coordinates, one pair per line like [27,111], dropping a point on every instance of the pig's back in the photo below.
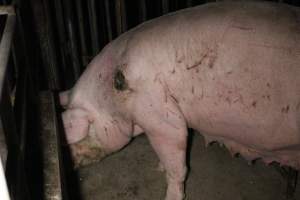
[235,71]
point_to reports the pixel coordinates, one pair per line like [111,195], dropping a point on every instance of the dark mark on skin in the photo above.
[298,106]
[195,65]
[174,99]
[120,81]
[173,71]
[285,109]
[228,100]
[254,104]
[230,72]
[266,96]
[193,90]
[242,27]
[211,64]
[268,85]
[100,76]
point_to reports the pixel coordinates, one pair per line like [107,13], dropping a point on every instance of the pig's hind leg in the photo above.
[166,130]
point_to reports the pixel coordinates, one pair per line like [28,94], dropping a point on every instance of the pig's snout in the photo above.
[86,152]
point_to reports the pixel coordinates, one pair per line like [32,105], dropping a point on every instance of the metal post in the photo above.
[81,26]
[51,148]
[5,47]
[94,26]
[165,6]
[74,49]
[189,3]
[3,186]
[108,20]
[143,11]
[120,16]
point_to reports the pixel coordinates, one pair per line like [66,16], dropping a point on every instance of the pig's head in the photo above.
[93,132]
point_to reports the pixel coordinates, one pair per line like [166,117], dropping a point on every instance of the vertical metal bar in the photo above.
[143,10]
[5,47]
[43,25]
[189,3]
[165,6]
[84,51]
[3,146]
[94,26]
[51,148]
[108,20]
[74,49]
[62,39]
[50,56]
[120,16]
[3,186]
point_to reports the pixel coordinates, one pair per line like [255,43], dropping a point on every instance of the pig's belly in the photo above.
[270,135]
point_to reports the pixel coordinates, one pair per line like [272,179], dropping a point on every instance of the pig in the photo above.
[231,71]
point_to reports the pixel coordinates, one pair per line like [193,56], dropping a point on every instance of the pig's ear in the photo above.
[76,124]
[64,98]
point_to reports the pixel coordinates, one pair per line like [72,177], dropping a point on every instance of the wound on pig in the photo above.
[120,81]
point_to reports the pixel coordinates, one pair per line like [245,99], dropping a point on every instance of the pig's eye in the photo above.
[120,81]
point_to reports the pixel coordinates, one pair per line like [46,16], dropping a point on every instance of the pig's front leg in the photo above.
[166,130]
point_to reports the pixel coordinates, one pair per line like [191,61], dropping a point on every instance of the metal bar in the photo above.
[3,146]
[120,16]
[51,148]
[74,49]
[82,35]
[44,28]
[4,195]
[108,20]
[189,3]
[94,26]
[61,30]
[5,47]
[143,11]
[7,10]
[165,6]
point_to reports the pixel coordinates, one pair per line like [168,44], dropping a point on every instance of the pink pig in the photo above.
[229,70]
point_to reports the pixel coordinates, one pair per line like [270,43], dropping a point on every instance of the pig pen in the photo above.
[53,43]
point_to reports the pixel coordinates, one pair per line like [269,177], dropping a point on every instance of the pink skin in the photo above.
[228,70]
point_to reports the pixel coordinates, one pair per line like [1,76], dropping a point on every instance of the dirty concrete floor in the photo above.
[214,175]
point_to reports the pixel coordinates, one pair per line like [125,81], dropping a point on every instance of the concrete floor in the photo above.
[214,175]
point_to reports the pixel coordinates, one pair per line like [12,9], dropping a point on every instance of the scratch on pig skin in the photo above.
[174,99]
[285,109]
[193,90]
[196,64]
[242,27]
[298,106]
